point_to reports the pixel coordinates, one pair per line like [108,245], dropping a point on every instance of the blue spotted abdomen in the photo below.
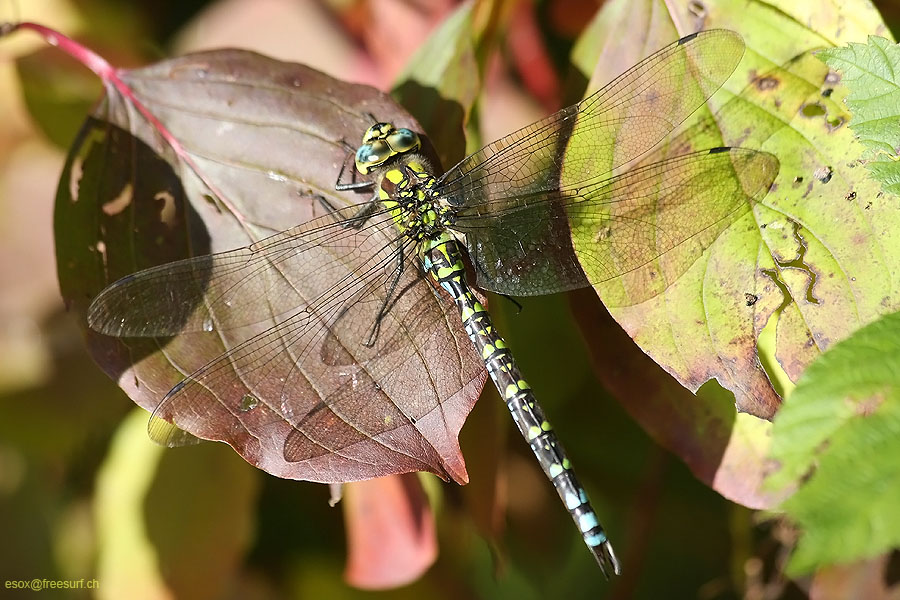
[442,260]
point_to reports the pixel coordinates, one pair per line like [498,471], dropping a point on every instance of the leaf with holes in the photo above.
[258,145]
[815,257]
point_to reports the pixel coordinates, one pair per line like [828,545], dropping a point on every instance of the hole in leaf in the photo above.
[249,402]
[823,174]
[812,110]
[765,350]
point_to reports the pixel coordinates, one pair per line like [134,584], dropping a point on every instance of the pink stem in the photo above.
[109,74]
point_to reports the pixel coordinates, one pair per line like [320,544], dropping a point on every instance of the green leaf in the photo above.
[126,558]
[441,82]
[161,532]
[815,259]
[871,73]
[842,424]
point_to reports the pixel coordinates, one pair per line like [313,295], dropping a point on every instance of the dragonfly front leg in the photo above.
[351,185]
[359,219]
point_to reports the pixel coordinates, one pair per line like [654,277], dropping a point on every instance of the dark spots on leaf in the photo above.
[797,180]
[851,195]
[766,83]
[827,92]
[211,200]
[866,407]
[750,299]
[809,188]
[697,8]
[823,174]
[812,110]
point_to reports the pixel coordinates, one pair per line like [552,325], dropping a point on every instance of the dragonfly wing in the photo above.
[654,221]
[307,399]
[608,129]
[221,292]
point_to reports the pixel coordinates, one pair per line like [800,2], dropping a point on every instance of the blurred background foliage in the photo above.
[79,498]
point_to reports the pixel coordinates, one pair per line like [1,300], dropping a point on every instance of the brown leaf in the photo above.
[238,147]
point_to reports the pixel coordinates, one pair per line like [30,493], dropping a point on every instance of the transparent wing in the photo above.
[228,290]
[613,126]
[591,233]
[299,393]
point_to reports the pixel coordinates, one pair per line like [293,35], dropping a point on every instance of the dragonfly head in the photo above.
[382,142]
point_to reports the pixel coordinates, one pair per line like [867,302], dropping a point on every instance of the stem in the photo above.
[111,76]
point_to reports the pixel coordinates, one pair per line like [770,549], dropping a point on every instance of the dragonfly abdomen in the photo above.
[442,259]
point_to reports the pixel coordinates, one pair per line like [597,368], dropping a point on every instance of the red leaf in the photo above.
[218,150]
[390,532]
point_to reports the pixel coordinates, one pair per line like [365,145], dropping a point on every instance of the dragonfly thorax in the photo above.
[406,186]
[406,190]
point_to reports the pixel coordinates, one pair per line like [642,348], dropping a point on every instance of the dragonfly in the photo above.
[323,316]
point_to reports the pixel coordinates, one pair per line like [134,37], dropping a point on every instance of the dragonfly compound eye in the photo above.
[403,140]
[372,155]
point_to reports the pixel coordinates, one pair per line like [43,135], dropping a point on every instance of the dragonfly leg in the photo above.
[513,301]
[388,299]
[358,220]
[352,185]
